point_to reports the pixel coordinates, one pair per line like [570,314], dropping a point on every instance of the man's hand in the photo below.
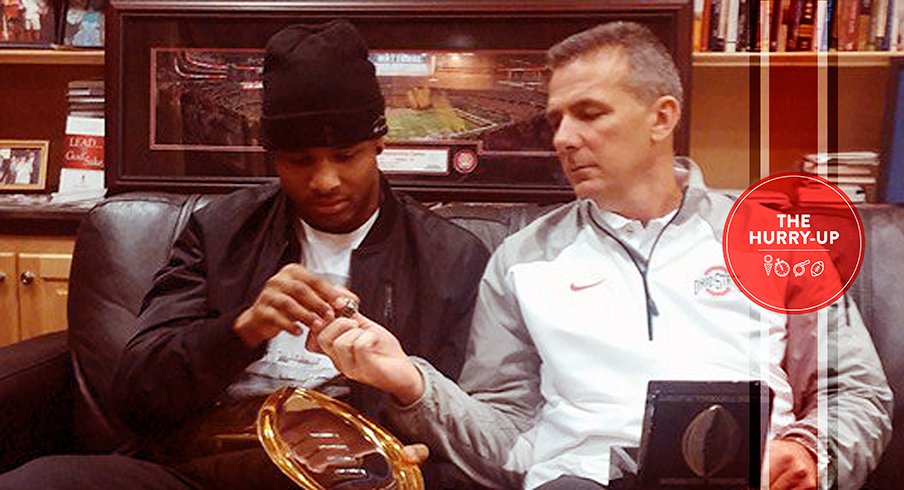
[415,453]
[366,352]
[791,466]
[292,294]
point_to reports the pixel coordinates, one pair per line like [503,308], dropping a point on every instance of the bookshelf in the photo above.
[93,57]
[720,104]
[799,58]
[34,84]
[798,100]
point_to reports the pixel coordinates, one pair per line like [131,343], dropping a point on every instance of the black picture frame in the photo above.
[138,30]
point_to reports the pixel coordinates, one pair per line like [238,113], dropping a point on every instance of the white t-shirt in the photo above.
[287,362]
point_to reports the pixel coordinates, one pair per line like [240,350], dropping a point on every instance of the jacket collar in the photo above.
[389,213]
[284,219]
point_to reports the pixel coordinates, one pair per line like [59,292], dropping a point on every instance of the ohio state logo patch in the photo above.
[716,281]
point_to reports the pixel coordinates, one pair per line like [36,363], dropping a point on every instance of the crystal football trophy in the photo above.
[324,444]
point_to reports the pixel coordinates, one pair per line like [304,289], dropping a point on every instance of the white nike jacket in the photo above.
[571,323]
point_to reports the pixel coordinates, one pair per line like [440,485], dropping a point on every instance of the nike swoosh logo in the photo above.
[581,287]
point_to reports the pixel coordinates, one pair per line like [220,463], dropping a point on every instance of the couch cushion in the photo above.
[492,222]
[120,246]
[35,399]
[878,293]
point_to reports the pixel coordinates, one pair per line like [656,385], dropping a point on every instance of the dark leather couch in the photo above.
[54,389]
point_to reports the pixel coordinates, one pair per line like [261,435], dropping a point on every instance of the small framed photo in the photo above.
[83,23]
[23,165]
[28,23]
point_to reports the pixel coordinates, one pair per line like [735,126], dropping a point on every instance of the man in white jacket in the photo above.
[578,311]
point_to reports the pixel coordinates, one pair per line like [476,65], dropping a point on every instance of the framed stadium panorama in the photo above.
[464,82]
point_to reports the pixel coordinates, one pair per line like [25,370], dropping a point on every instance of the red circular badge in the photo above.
[465,161]
[793,243]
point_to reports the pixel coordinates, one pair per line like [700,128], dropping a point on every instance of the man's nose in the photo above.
[566,135]
[326,177]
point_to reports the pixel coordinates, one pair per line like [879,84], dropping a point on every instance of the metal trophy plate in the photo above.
[324,444]
[703,434]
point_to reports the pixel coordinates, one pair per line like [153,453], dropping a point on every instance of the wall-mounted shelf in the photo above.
[843,59]
[61,56]
[58,56]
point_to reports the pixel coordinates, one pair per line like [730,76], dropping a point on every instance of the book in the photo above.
[849,157]
[854,172]
[848,13]
[731,26]
[839,169]
[863,25]
[878,24]
[82,172]
[84,143]
[698,25]
[825,11]
[891,26]
[716,33]
[743,43]
[806,26]
[792,22]
[765,21]
[778,32]
[704,25]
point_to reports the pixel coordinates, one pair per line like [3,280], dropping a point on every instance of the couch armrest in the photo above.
[35,399]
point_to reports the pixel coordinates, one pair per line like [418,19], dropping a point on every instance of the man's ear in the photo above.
[380,145]
[666,114]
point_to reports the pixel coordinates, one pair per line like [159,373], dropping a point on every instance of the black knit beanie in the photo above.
[320,89]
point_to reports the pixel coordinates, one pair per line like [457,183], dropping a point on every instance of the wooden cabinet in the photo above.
[34,286]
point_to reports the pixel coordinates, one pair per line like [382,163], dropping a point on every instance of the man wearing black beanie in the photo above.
[227,319]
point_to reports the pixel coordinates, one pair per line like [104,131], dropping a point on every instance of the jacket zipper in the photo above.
[651,308]
[388,313]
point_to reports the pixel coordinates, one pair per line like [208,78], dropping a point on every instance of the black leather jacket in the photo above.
[416,274]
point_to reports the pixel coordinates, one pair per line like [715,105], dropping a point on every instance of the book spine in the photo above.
[847,24]
[878,22]
[778,34]
[863,23]
[765,25]
[731,26]
[898,39]
[833,14]
[792,21]
[895,19]
[819,25]
[698,24]
[806,28]
[716,44]
[704,25]
[744,25]
[753,24]
[890,23]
